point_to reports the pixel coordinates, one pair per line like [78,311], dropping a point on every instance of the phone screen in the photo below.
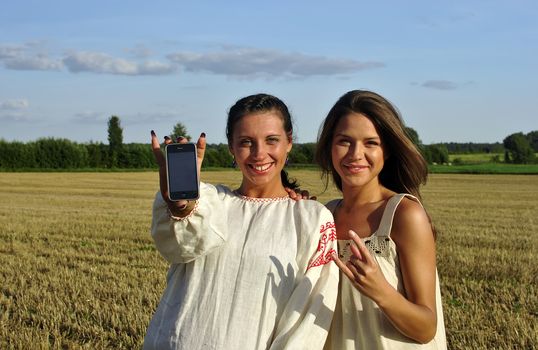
[182,171]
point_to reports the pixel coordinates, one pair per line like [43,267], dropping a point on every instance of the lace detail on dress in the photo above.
[377,245]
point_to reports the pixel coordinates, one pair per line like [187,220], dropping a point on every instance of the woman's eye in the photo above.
[343,142]
[272,140]
[372,143]
[245,142]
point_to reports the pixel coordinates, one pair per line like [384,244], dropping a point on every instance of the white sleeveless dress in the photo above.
[358,322]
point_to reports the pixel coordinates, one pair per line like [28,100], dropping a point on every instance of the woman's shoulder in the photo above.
[311,204]
[411,219]
[332,204]
[410,210]
[312,211]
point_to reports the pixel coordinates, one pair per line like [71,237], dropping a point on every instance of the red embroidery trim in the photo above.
[324,256]
[260,200]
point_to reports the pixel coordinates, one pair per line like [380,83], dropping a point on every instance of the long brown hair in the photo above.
[405,168]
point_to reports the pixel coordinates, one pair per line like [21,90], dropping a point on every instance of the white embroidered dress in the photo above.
[245,273]
[358,322]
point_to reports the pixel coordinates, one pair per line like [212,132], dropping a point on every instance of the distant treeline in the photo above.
[53,153]
[470,147]
[517,148]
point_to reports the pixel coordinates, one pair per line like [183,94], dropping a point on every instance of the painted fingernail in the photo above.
[152,133]
[167,138]
[179,138]
[202,134]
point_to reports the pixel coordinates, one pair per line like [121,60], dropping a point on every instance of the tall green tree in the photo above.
[435,153]
[413,135]
[533,139]
[115,139]
[519,149]
[179,130]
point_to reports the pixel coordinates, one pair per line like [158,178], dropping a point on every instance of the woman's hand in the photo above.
[299,194]
[363,271]
[179,208]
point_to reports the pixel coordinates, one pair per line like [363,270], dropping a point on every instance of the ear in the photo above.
[290,142]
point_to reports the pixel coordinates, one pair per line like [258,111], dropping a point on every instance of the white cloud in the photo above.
[440,84]
[14,104]
[155,68]
[10,51]
[242,62]
[38,62]
[97,62]
[14,110]
[28,56]
[239,62]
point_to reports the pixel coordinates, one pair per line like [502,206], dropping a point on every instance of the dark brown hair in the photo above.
[259,103]
[405,168]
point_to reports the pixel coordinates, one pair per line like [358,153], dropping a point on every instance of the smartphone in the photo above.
[181,171]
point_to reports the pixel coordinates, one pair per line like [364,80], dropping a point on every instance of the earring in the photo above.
[287,161]
[234,164]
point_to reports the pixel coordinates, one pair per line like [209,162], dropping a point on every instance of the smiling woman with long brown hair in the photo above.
[389,295]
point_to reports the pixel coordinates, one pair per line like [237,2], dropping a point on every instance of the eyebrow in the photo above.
[366,138]
[272,135]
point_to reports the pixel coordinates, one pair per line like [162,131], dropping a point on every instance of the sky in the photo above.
[458,71]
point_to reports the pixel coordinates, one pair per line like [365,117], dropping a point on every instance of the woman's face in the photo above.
[260,146]
[357,151]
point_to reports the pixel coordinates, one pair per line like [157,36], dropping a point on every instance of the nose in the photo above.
[357,151]
[258,152]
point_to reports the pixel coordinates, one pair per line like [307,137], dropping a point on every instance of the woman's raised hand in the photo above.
[175,206]
[363,271]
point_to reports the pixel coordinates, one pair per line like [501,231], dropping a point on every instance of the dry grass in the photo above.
[78,268]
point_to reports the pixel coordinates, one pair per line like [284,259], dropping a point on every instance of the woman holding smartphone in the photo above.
[249,267]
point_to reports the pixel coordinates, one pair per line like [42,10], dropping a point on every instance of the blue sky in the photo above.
[461,71]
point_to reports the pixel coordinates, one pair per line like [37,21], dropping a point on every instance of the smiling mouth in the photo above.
[355,168]
[262,168]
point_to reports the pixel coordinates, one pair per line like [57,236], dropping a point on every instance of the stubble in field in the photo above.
[78,267]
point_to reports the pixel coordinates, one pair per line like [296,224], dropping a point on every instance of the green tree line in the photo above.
[518,148]
[58,153]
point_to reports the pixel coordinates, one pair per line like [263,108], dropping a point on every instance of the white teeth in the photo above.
[261,167]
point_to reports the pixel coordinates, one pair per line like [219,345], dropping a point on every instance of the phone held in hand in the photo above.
[181,171]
